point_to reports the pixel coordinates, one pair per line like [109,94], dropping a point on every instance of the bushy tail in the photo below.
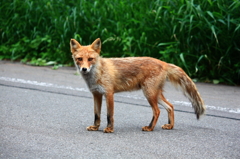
[179,78]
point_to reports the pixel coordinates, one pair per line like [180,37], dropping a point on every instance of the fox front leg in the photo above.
[97,112]
[110,113]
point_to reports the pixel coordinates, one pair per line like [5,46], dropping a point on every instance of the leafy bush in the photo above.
[202,37]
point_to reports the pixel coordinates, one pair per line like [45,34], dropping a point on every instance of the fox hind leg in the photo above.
[170,109]
[156,113]
[153,101]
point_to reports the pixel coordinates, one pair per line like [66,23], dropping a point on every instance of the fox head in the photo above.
[85,57]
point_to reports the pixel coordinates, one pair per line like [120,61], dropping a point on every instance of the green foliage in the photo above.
[202,37]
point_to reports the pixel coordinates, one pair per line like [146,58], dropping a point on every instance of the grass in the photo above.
[202,37]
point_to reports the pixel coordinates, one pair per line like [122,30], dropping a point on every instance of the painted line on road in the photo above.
[44,84]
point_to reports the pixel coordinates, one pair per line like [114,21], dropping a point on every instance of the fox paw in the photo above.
[108,130]
[147,128]
[167,126]
[92,128]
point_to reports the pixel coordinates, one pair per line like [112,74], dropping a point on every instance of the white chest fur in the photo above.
[90,79]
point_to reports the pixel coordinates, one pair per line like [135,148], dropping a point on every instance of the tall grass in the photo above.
[202,37]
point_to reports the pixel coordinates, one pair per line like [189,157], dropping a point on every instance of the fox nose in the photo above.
[84,69]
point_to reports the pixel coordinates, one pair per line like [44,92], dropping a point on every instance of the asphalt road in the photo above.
[44,114]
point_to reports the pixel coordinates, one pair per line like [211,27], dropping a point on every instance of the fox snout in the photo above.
[83,67]
[84,70]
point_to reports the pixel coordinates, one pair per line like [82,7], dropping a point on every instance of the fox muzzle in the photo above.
[84,69]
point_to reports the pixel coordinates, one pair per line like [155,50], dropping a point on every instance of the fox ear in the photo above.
[74,45]
[96,45]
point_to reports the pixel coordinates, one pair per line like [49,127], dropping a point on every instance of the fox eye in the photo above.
[79,59]
[90,59]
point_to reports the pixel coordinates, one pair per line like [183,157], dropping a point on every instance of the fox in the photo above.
[106,76]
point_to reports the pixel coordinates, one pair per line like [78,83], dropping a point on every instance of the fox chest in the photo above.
[93,85]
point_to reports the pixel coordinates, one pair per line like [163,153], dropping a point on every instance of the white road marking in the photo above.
[44,84]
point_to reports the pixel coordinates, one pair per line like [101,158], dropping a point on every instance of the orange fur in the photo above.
[106,76]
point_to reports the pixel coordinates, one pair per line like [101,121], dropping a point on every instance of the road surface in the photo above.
[44,114]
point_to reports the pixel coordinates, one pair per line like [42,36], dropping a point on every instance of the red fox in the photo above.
[106,76]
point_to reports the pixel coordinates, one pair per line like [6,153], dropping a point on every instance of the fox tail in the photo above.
[179,78]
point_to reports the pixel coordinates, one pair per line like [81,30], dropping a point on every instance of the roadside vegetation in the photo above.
[201,36]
